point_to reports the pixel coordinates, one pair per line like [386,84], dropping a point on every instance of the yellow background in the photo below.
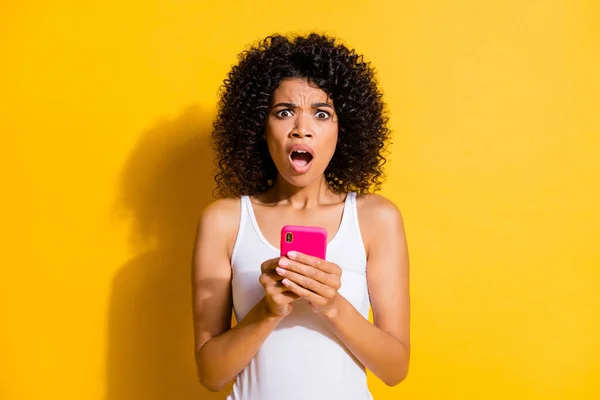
[105,109]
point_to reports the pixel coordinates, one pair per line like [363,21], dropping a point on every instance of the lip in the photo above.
[301,147]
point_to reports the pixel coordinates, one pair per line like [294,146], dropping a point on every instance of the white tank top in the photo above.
[302,359]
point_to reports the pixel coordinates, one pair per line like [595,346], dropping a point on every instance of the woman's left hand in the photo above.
[313,279]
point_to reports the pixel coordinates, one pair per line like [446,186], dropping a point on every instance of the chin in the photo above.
[303,180]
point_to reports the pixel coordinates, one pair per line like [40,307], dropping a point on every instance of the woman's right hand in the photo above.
[277,297]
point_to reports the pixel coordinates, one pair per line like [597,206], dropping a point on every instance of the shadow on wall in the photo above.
[165,184]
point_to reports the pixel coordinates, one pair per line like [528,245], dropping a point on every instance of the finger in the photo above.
[272,283]
[276,288]
[308,283]
[287,297]
[274,276]
[303,292]
[269,279]
[269,265]
[316,262]
[310,272]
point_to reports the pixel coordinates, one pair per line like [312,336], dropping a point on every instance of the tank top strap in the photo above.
[244,215]
[352,211]
[353,217]
[346,220]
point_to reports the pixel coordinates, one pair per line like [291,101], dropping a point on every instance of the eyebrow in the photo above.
[294,105]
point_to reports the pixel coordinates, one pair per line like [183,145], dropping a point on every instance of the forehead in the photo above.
[296,90]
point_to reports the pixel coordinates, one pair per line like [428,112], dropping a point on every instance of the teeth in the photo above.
[299,151]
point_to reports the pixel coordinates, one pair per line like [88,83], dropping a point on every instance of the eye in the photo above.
[284,113]
[322,114]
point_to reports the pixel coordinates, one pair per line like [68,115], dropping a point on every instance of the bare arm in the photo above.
[221,351]
[382,347]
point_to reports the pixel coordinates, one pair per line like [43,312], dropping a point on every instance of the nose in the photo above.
[301,127]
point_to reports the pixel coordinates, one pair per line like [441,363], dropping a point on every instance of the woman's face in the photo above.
[301,131]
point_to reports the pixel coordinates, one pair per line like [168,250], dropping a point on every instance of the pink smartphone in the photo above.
[311,240]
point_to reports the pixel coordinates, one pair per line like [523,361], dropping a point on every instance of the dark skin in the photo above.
[302,199]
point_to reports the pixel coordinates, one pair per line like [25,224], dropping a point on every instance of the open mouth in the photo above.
[301,158]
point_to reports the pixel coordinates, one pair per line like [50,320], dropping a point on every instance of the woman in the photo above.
[299,139]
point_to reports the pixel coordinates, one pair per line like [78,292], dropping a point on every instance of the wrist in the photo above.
[332,314]
[266,315]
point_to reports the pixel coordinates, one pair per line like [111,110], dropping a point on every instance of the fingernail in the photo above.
[280,271]
[283,262]
[292,254]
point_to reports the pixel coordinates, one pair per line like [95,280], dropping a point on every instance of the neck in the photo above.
[318,192]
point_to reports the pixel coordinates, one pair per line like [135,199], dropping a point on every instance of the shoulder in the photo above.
[379,219]
[221,218]
[377,209]
[221,210]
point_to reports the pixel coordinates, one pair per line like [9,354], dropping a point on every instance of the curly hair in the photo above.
[244,165]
